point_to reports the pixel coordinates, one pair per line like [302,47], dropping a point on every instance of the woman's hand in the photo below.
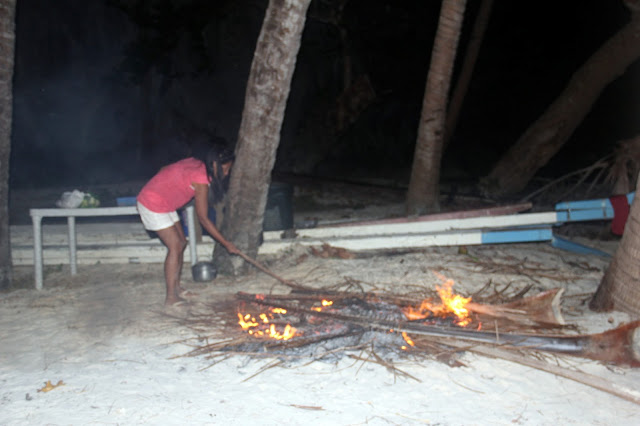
[202,210]
[231,248]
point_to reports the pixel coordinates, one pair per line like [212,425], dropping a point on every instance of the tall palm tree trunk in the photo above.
[620,286]
[7,49]
[466,71]
[423,193]
[265,101]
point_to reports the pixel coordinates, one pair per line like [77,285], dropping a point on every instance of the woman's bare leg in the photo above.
[176,243]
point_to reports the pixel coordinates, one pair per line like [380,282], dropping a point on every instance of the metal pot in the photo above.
[203,271]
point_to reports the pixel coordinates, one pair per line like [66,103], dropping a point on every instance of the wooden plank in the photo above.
[394,229]
[396,241]
[489,211]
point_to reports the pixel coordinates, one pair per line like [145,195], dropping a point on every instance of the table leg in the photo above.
[37,250]
[191,227]
[71,221]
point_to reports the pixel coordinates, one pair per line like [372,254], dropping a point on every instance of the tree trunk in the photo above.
[259,135]
[470,57]
[552,130]
[423,193]
[620,286]
[7,46]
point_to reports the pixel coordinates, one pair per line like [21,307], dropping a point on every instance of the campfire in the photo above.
[377,326]
[311,314]
[318,323]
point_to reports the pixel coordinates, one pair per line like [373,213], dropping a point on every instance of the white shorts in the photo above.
[153,221]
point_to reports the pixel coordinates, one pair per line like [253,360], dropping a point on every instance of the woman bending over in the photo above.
[173,187]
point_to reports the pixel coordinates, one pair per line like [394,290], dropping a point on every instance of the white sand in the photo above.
[103,333]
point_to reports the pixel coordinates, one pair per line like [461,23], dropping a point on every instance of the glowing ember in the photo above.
[407,339]
[263,327]
[324,304]
[450,303]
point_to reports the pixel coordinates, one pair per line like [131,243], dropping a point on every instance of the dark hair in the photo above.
[214,153]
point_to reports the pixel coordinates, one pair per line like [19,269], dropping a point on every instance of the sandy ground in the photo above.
[105,336]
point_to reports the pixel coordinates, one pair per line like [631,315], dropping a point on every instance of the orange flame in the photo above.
[407,339]
[262,327]
[450,303]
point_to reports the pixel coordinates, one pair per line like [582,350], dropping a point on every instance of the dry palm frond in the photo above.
[598,168]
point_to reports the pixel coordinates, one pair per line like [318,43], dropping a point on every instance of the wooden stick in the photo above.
[268,272]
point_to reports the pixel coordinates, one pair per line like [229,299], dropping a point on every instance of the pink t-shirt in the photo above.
[171,188]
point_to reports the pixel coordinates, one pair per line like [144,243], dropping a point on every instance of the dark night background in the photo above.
[79,98]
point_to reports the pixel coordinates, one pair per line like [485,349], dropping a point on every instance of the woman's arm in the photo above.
[202,211]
